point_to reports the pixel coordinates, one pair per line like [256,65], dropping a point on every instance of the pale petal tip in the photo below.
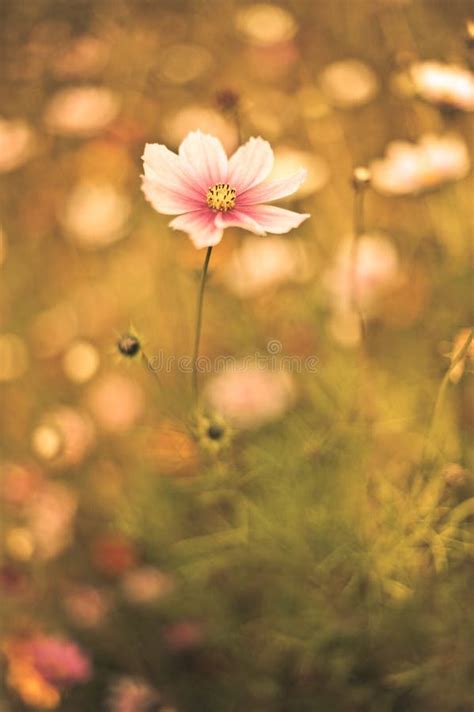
[198,134]
[147,148]
[304,216]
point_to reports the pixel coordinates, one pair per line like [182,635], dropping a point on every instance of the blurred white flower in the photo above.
[16,144]
[366,273]
[50,516]
[81,361]
[63,437]
[348,83]
[248,396]
[360,279]
[132,694]
[116,402]
[264,25]
[261,263]
[146,584]
[81,111]
[19,543]
[448,84]
[413,167]
[95,214]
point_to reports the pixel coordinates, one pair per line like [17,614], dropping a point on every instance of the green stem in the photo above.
[149,367]
[359,229]
[197,337]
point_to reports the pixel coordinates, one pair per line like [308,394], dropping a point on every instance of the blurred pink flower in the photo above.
[113,554]
[116,402]
[86,606]
[414,167]
[184,635]
[209,192]
[364,278]
[19,482]
[249,396]
[39,666]
[60,662]
[447,84]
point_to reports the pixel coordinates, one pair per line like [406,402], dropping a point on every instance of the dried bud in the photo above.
[361,178]
[212,432]
[227,99]
[215,431]
[129,346]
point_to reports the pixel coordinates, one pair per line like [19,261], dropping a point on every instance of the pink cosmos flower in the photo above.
[58,661]
[209,192]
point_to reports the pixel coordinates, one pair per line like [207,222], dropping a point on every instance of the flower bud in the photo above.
[129,346]
[212,432]
[469,37]
[227,99]
[360,178]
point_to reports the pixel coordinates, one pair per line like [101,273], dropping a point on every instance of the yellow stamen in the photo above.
[221,197]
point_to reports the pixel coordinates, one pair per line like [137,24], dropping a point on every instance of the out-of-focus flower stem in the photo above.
[197,337]
[359,230]
[442,391]
[149,367]
[360,182]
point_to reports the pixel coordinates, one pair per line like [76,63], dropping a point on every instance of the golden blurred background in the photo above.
[302,543]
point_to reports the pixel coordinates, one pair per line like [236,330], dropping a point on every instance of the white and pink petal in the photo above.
[275,220]
[250,164]
[200,226]
[167,201]
[238,218]
[273,190]
[203,159]
[164,167]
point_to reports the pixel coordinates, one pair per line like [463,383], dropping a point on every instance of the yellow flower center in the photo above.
[221,197]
